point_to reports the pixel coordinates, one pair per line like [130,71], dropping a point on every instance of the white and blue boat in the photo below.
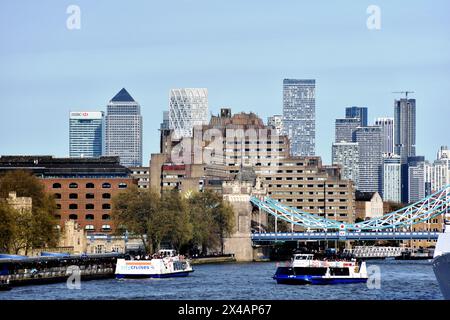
[304,269]
[168,264]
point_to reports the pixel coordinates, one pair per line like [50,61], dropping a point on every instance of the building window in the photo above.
[89,206]
[89,227]
[106,185]
[106,217]
[57,195]
[58,206]
[122,185]
[106,196]
[106,206]
[90,196]
[57,186]
[90,185]
[89,217]
[58,216]
[73,185]
[106,227]
[73,217]
[73,206]
[73,196]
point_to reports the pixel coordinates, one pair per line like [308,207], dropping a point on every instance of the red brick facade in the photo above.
[86,200]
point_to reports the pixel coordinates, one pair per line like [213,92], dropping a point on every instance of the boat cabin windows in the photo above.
[303,257]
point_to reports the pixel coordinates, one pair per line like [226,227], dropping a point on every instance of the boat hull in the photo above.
[317,280]
[441,268]
[163,275]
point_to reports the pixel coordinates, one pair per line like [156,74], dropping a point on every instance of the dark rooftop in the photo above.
[363,196]
[123,96]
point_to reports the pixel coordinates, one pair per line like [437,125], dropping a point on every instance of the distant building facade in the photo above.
[346,155]
[345,129]
[123,129]
[276,122]
[141,175]
[387,134]
[405,128]
[85,134]
[392,182]
[299,115]
[369,205]
[359,113]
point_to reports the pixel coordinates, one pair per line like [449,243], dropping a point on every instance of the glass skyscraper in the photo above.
[85,134]
[405,128]
[299,115]
[188,107]
[359,113]
[123,129]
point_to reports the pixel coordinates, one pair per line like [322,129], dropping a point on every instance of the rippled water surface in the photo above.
[399,280]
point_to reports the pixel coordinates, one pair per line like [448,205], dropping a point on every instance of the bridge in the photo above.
[390,226]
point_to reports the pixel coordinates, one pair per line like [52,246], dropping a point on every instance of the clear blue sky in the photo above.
[239,50]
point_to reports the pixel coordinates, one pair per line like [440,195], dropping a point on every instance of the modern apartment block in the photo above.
[405,128]
[85,134]
[387,134]
[391,175]
[299,115]
[123,129]
[346,155]
[370,158]
[188,107]
[83,188]
[345,129]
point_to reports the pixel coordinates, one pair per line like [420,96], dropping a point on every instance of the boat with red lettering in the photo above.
[165,265]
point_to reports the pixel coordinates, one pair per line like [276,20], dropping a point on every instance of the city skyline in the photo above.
[63,70]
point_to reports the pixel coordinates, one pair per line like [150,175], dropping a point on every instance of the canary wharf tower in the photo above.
[123,129]
[299,115]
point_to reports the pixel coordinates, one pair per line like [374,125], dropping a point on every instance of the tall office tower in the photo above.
[188,107]
[387,133]
[85,134]
[346,154]
[357,112]
[276,121]
[370,158]
[392,183]
[405,128]
[165,123]
[415,179]
[437,174]
[299,115]
[123,129]
[345,129]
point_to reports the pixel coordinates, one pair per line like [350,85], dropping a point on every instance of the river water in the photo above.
[398,280]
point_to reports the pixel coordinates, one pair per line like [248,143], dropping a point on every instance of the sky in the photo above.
[240,50]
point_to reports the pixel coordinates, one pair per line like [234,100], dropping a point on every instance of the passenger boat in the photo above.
[441,262]
[167,264]
[304,269]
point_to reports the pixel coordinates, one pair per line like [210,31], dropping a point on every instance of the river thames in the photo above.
[400,280]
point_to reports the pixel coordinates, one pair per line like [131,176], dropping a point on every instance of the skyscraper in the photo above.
[299,119]
[123,129]
[346,154]
[276,121]
[416,178]
[188,107]
[85,134]
[357,112]
[387,133]
[405,128]
[392,178]
[370,158]
[345,129]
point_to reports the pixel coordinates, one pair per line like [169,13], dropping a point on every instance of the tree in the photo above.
[212,219]
[7,226]
[37,228]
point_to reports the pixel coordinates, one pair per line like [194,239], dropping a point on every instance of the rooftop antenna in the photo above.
[405,92]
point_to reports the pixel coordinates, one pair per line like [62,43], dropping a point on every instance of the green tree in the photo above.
[35,229]
[7,226]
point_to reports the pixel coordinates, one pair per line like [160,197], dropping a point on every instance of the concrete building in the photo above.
[276,122]
[299,115]
[387,134]
[369,205]
[415,179]
[405,128]
[188,107]
[86,134]
[345,129]
[359,113]
[83,188]
[123,129]
[346,155]
[142,176]
[370,158]
[392,182]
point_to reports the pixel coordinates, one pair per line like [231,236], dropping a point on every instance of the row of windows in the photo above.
[88,196]
[89,185]
[74,216]
[89,206]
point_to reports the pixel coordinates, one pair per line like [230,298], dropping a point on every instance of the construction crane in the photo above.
[405,92]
